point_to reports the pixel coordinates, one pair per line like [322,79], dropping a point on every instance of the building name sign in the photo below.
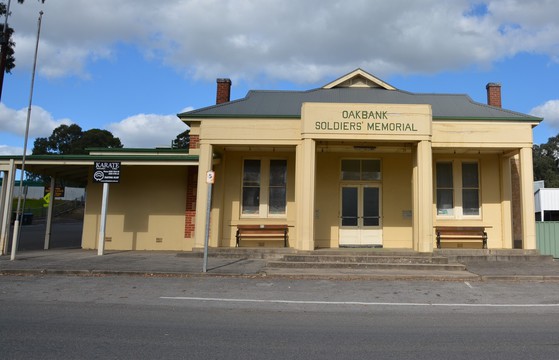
[379,120]
[364,114]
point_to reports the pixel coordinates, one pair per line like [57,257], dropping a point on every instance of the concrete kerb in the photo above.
[346,277]
[292,276]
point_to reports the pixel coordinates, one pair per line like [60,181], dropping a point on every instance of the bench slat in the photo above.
[461,233]
[264,232]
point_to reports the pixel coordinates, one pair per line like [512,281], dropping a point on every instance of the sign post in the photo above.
[210,179]
[105,173]
[50,205]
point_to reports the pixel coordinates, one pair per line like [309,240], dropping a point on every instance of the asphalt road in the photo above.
[56,317]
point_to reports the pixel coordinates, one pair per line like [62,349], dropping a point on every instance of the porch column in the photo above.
[7,194]
[423,197]
[204,165]
[527,199]
[506,202]
[304,193]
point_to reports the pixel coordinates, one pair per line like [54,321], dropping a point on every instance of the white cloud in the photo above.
[294,40]
[549,111]
[41,122]
[142,130]
[10,150]
[147,130]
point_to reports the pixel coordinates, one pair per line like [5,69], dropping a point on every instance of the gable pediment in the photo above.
[358,79]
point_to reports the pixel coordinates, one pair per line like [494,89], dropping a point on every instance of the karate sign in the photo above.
[106,172]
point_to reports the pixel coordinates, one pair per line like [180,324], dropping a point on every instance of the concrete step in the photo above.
[364,252]
[366,259]
[369,266]
[461,255]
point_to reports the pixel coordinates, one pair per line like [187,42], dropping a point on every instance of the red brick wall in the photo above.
[194,142]
[494,94]
[223,91]
[190,214]
[516,205]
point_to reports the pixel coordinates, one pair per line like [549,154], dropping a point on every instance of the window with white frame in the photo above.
[264,192]
[457,188]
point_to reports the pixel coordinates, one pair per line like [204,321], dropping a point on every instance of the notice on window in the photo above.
[106,172]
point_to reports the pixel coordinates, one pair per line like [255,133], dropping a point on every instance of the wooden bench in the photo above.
[262,232]
[461,234]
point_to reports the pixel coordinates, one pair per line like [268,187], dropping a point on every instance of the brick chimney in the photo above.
[494,94]
[223,91]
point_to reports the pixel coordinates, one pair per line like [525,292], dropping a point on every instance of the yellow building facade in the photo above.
[362,164]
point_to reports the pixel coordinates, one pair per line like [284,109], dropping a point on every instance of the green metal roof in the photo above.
[77,167]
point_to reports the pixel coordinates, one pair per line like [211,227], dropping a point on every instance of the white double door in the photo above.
[360,220]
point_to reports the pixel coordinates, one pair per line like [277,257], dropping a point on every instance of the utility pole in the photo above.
[22,170]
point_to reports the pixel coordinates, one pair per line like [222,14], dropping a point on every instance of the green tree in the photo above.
[182,140]
[71,140]
[98,138]
[546,162]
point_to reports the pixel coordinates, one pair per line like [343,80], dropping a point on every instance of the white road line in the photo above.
[364,303]
[468,285]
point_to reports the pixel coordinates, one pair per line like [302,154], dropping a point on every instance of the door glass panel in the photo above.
[371,202]
[349,206]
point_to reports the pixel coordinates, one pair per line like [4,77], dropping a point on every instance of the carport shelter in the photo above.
[147,208]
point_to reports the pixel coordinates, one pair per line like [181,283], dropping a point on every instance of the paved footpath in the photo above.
[170,263]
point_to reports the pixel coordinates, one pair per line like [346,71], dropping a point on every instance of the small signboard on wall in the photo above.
[106,172]
[58,191]
[210,177]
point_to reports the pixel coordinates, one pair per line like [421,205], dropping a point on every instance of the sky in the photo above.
[129,66]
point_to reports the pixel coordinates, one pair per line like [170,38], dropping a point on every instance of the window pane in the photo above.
[371,202]
[251,174]
[251,187]
[277,190]
[469,175]
[349,206]
[251,200]
[351,169]
[445,204]
[370,170]
[444,175]
[470,189]
[278,172]
[277,200]
[470,200]
[445,191]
